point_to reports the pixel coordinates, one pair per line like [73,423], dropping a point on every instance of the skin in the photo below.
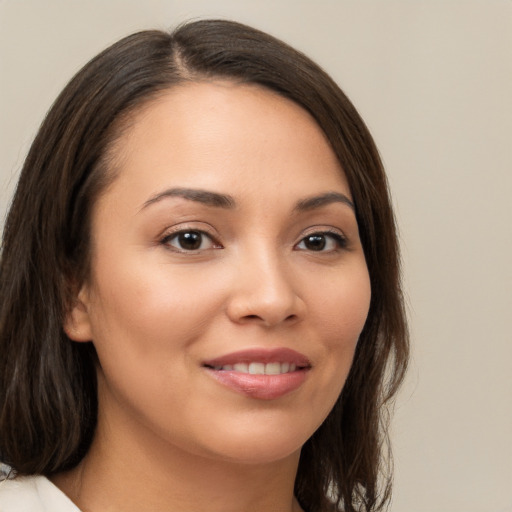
[156,311]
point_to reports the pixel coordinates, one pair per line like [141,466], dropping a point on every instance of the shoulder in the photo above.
[33,494]
[20,494]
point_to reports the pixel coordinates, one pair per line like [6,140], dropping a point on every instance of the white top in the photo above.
[33,494]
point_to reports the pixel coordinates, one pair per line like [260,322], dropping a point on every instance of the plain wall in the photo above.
[433,80]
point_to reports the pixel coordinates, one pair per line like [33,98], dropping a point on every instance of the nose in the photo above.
[265,292]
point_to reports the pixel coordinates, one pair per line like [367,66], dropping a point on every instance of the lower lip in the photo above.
[262,387]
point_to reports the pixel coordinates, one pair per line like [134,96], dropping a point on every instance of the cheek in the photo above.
[146,322]
[143,300]
[342,305]
[340,313]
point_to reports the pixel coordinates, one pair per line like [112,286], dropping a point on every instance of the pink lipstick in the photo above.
[265,374]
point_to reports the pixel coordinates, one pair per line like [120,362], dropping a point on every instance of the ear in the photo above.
[77,324]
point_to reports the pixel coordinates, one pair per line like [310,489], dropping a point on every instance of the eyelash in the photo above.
[166,240]
[338,239]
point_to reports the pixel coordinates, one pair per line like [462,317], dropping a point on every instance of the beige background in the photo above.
[433,79]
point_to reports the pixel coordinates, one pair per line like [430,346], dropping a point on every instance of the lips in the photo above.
[260,374]
[257,368]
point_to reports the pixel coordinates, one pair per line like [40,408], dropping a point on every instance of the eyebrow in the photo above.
[226,201]
[200,196]
[312,203]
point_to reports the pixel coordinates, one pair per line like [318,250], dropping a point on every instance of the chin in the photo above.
[259,454]
[264,445]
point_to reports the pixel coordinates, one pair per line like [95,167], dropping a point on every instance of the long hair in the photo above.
[48,402]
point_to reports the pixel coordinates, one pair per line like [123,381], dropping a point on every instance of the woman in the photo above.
[201,304]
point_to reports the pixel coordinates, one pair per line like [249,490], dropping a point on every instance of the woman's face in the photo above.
[229,285]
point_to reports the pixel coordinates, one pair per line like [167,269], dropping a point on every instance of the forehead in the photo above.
[220,134]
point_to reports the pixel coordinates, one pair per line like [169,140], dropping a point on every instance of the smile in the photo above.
[260,373]
[257,368]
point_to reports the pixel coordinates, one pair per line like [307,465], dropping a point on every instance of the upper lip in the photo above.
[276,355]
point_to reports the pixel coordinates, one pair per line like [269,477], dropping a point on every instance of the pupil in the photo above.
[315,242]
[190,240]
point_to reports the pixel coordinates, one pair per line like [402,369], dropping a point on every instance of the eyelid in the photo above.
[339,237]
[189,225]
[174,231]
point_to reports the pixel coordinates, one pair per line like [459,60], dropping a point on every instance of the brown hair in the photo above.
[48,400]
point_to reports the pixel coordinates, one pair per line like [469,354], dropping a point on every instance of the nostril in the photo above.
[256,308]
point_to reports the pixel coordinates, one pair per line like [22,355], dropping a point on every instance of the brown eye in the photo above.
[322,242]
[315,242]
[189,240]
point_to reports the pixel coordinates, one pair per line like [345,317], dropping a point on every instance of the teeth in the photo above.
[256,368]
[272,369]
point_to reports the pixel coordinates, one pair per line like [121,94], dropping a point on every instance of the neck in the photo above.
[127,469]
